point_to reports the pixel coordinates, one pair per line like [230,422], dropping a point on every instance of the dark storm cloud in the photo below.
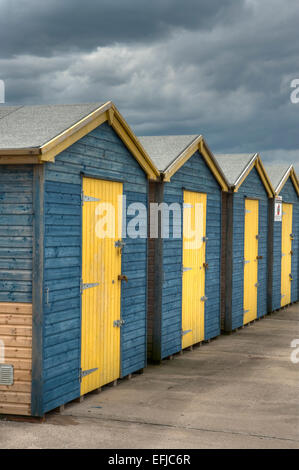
[219,68]
[44,27]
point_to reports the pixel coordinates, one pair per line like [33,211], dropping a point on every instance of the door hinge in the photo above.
[187,206]
[186,332]
[84,373]
[83,287]
[204,298]
[291,277]
[257,284]
[246,311]
[247,211]
[246,262]
[85,198]
[184,270]
[205,239]
[118,323]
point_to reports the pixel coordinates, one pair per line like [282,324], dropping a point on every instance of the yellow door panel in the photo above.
[251,250]
[101,289]
[194,257]
[286,250]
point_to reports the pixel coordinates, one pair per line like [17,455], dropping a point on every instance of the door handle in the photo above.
[122,277]
[259,257]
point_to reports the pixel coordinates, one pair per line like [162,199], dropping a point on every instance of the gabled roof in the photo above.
[236,168]
[279,175]
[170,153]
[35,134]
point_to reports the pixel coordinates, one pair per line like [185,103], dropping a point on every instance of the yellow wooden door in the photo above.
[101,289]
[286,260]
[251,250]
[194,258]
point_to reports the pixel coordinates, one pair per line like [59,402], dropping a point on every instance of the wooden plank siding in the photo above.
[251,188]
[100,154]
[16,213]
[223,256]
[16,334]
[290,196]
[194,175]
[151,277]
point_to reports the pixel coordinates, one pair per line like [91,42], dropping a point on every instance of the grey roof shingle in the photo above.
[23,127]
[277,173]
[164,150]
[233,165]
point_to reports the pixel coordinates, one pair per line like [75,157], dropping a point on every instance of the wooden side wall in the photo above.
[16,334]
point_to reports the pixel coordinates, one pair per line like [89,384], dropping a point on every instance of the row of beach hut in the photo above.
[79,309]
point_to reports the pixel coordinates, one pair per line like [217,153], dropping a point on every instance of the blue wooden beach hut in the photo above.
[184,277]
[246,225]
[72,301]
[284,237]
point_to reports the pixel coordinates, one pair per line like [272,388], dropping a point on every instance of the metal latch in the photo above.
[291,277]
[83,287]
[122,277]
[204,298]
[206,265]
[257,285]
[84,373]
[257,237]
[205,239]
[118,323]
[292,236]
[184,333]
[6,374]
[119,244]
[259,257]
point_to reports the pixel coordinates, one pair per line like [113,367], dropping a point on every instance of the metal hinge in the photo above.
[186,332]
[118,323]
[205,239]
[184,270]
[187,206]
[85,198]
[257,284]
[83,287]
[247,212]
[84,373]
[204,298]
[246,262]
[246,311]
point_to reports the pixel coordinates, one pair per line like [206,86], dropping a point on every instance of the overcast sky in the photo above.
[221,68]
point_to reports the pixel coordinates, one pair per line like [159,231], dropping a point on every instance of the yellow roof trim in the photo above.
[289,174]
[200,145]
[107,112]
[256,162]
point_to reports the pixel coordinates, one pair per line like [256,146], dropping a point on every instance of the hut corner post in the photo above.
[270,254]
[158,287]
[229,263]
[37,291]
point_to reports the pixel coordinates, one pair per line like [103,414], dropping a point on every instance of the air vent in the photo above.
[6,374]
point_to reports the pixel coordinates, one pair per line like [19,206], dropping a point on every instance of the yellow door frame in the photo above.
[251,252]
[286,254]
[100,285]
[194,265]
